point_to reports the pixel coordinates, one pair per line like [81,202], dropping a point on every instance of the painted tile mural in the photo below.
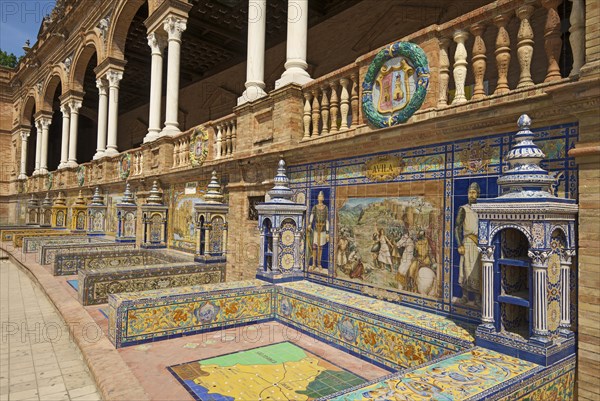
[399,225]
[459,377]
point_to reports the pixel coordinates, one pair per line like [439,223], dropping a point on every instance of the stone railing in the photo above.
[331,103]
[224,137]
[473,59]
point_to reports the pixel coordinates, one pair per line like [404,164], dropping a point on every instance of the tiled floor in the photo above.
[38,359]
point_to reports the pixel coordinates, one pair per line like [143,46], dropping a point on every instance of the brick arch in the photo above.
[57,76]
[29,105]
[119,27]
[80,64]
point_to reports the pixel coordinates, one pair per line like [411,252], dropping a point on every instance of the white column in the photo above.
[297,35]
[102,86]
[74,106]
[487,299]
[64,142]
[174,27]
[540,295]
[565,293]
[38,147]
[45,123]
[255,65]
[154,120]
[24,140]
[113,77]
[275,262]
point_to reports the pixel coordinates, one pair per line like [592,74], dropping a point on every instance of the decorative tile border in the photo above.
[68,261]
[96,284]
[33,244]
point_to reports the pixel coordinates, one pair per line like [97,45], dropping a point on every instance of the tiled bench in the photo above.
[33,244]
[17,237]
[95,284]
[7,232]
[138,317]
[67,261]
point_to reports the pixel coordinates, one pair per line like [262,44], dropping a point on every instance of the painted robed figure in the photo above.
[318,224]
[465,234]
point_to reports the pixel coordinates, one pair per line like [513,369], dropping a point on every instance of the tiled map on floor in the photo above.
[282,371]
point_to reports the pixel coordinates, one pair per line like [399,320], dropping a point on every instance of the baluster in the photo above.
[525,45]
[444,72]
[577,35]
[186,151]
[502,53]
[334,107]
[315,112]
[460,67]
[176,154]
[479,61]
[307,114]
[345,103]
[218,143]
[233,136]
[552,42]
[229,139]
[324,111]
[354,100]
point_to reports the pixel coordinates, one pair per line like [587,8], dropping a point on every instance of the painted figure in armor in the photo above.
[466,228]
[319,226]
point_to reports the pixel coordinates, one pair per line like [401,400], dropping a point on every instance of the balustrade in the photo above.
[331,103]
[225,136]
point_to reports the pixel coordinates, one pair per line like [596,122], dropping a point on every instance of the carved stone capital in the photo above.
[74,105]
[102,86]
[487,253]
[566,256]
[156,42]
[114,77]
[174,27]
[24,135]
[539,258]
[64,109]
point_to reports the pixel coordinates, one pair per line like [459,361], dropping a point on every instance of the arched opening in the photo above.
[53,93]
[28,119]
[268,244]
[135,86]
[87,130]
[202,235]
[512,270]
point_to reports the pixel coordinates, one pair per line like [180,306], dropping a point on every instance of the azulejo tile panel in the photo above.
[396,226]
[68,261]
[459,377]
[149,315]
[32,244]
[96,284]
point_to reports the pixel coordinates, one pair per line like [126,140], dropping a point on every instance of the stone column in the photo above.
[38,147]
[113,77]
[297,35]
[275,262]
[502,53]
[102,86]
[525,45]
[487,298]
[74,106]
[255,66]
[460,67]
[552,42]
[261,256]
[157,44]
[45,124]
[174,27]
[24,141]
[577,37]
[540,295]
[566,258]
[444,72]
[64,142]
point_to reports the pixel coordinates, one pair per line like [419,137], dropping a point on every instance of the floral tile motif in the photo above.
[406,315]
[459,377]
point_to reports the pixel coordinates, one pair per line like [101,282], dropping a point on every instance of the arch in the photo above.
[117,32]
[57,76]
[496,230]
[29,106]
[82,59]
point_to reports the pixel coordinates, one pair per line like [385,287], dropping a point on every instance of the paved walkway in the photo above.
[38,359]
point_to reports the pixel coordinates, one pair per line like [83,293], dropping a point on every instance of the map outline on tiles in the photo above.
[306,376]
